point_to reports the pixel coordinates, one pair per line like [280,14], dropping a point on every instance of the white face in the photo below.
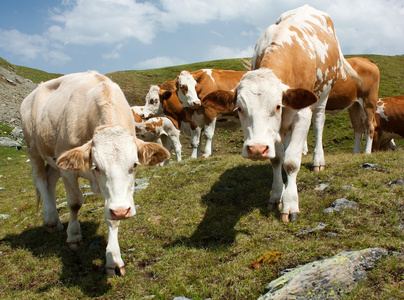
[114,158]
[186,90]
[259,103]
[153,106]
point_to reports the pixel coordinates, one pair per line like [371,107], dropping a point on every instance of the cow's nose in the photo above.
[257,151]
[120,213]
[196,103]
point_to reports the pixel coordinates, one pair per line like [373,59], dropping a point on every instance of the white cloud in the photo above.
[104,22]
[28,46]
[114,54]
[159,62]
[221,52]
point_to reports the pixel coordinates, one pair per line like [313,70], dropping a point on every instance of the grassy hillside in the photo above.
[34,75]
[200,223]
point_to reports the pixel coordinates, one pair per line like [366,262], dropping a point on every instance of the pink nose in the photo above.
[257,151]
[196,103]
[119,213]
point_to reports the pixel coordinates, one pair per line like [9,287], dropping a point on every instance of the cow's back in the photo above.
[63,113]
[301,49]
[210,80]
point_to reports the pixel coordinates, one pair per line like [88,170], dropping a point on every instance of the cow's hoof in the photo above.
[74,246]
[285,218]
[318,168]
[116,271]
[293,217]
[54,228]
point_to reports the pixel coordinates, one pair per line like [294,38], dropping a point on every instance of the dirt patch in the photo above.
[13,90]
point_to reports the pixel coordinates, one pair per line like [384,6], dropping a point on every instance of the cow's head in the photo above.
[260,99]
[154,101]
[186,90]
[112,156]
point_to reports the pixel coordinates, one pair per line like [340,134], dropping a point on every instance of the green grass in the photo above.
[200,223]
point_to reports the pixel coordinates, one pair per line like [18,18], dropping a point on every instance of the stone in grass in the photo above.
[340,204]
[326,278]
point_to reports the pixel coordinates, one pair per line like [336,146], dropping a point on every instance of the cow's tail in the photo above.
[38,200]
[349,71]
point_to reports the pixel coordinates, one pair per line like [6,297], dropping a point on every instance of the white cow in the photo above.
[81,125]
[157,129]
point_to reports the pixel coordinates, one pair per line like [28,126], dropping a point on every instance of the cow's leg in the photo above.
[175,141]
[209,133]
[370,126]
[74,201]
[291,165]
[46,190]
[195,141]
[113,253]
[277,181]
[355,113]
[318,126]
[166,143]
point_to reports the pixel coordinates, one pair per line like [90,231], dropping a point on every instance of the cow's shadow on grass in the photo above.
[83,268]
[237,192]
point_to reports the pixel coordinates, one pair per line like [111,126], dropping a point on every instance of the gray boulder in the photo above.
[325,279]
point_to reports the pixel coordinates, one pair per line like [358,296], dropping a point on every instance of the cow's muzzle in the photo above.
[120,213]
[257,152]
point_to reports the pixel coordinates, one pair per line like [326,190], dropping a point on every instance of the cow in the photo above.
[389,122]
[189,88]
[296,63]
[157,129]
[161,100]
[80,125]
[358,99]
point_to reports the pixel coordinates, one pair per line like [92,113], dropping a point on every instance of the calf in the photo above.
[157,129]
[389,122]
[80,125]
[295,65]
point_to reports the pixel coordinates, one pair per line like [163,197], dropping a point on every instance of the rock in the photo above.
[341,204]
[4,216]
[7,142]
[325,279]
[17,134]
[370,166]
[321,186]
[319,227]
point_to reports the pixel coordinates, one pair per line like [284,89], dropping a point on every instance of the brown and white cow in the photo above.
[157,129]
[358,99]
[295,65]
[80,125]
[190,88]
[389,122]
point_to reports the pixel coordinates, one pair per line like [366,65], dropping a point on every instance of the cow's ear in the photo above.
[151,154]
[299,98]
[165,94]
[76,159]
[222,101]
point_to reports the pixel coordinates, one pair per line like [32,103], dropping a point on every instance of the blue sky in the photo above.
[65,36]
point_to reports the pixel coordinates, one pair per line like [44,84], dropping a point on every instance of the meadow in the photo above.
[201,223]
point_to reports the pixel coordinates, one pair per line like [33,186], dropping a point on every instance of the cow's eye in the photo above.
[239,109]
[133,169]
[95,168]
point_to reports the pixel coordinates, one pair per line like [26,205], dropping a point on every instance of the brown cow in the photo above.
[358,98]
[389,122]
[296,63]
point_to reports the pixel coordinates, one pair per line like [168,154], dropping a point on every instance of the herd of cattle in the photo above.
[81,125]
